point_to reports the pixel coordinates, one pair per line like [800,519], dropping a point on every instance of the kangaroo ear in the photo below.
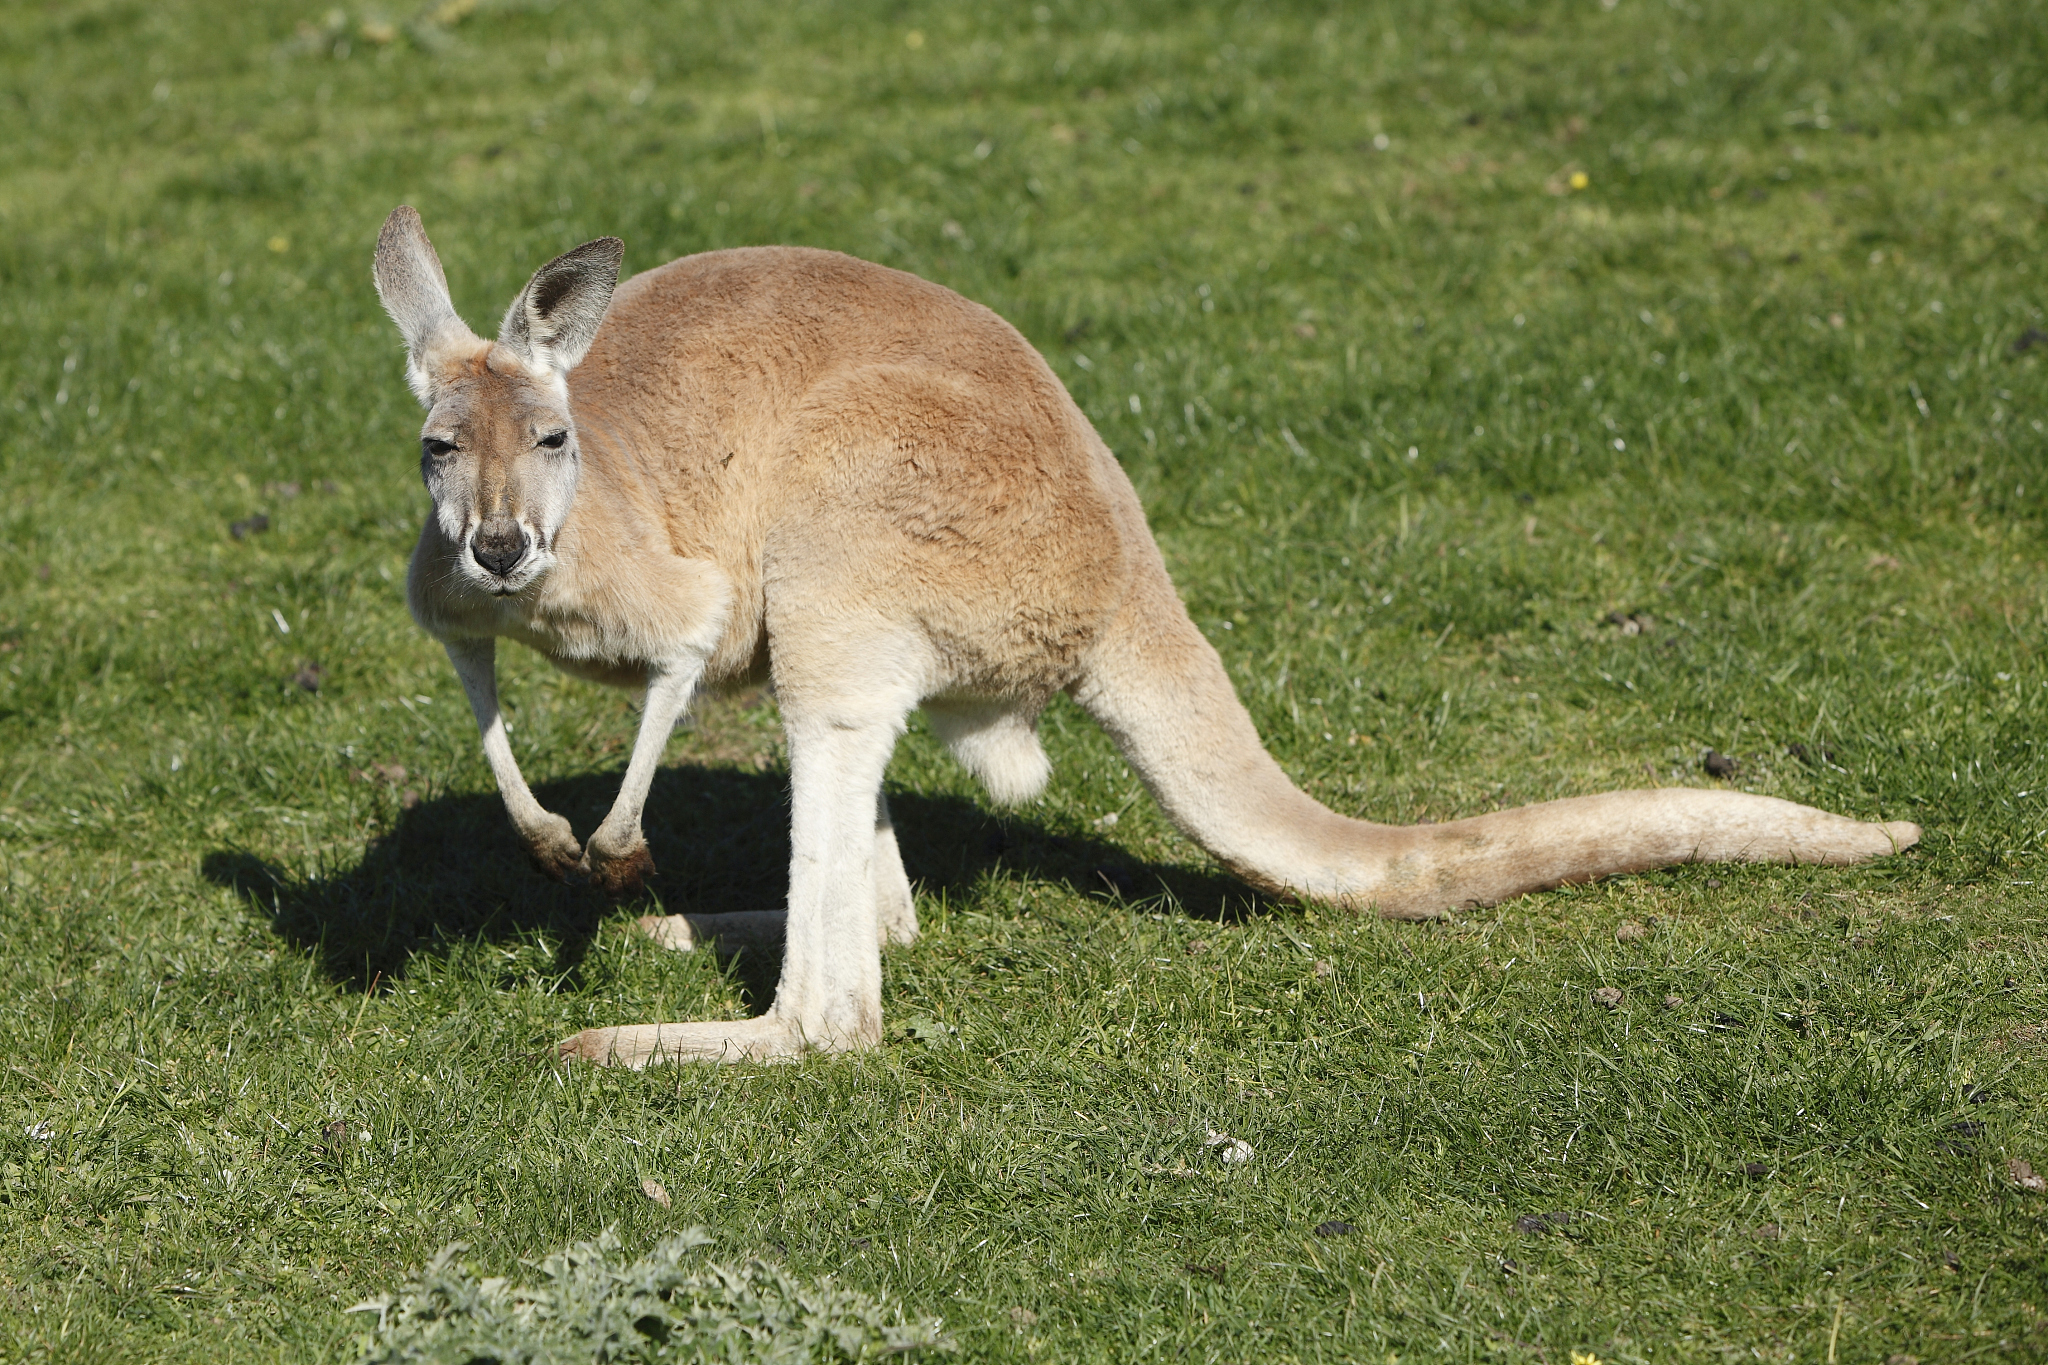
[414,291]
[555,318]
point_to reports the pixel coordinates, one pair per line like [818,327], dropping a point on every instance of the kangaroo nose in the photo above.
[499,545]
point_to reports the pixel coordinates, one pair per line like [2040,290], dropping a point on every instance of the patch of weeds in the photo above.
[592,1305]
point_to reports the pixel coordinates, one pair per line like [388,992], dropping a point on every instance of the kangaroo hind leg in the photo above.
[842,726]
[895,903]
[895,907]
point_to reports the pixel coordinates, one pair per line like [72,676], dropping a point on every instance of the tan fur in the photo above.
[790,462]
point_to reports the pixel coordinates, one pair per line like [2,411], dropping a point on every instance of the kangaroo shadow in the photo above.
[451,869]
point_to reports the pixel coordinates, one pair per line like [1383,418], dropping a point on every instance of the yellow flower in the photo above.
[1583,1357]
[1579,181]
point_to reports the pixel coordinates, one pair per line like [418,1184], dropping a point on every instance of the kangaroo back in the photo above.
[1159,689]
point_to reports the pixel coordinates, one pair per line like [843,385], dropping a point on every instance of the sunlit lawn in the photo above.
[1489,489]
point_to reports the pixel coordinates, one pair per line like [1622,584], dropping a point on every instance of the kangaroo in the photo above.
[784,464]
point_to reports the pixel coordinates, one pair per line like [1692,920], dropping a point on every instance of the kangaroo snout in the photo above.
[499,545]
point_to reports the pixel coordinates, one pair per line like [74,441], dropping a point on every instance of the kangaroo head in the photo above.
[498,450]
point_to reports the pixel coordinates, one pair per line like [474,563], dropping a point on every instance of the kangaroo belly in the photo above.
[630,677]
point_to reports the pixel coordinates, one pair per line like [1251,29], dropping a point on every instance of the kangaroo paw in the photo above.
[619,874]
[554,850]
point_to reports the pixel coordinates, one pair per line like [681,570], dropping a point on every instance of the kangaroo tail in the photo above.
[1159,689]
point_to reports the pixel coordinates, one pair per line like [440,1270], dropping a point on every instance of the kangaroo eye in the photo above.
[555,441]
[436,447]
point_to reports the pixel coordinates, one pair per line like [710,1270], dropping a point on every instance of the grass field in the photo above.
[1445,343]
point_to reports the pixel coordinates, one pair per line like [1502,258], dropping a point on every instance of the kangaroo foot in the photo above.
[729,932]
[766,1039]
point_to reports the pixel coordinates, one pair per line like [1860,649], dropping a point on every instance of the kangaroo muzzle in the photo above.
[499,545]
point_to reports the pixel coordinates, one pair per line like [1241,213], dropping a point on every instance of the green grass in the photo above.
[1411,416]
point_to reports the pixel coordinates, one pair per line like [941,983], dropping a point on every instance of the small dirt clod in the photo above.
[1608,997]
[1718,764]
